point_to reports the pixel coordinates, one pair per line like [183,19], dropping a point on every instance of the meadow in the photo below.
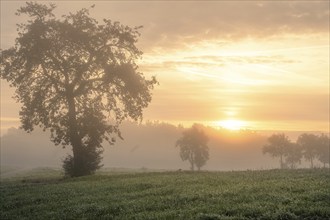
[267,194]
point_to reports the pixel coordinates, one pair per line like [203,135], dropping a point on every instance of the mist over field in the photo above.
[150,145]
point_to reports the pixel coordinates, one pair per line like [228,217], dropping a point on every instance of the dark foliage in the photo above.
[74,76]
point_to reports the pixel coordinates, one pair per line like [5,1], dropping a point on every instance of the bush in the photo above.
[87,162]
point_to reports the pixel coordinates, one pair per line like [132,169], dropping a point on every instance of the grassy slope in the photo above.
[271,194]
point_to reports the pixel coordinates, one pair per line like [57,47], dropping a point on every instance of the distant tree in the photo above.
[293,155]
[323,149]
[309,144]
[193,147]
[277,147]
[74,76]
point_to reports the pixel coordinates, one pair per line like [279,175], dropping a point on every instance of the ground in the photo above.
[268,194]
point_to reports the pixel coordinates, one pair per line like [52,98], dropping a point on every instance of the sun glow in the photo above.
[232,124]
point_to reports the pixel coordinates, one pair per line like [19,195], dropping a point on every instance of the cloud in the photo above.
[209,104]
[285,106]
[169,24]
[186,22]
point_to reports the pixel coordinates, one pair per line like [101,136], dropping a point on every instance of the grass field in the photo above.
[273,194]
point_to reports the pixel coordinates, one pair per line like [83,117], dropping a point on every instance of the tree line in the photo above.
[310,147]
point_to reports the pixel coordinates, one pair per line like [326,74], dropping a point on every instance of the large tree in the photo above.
[277,146]
[77,78]
[193,147]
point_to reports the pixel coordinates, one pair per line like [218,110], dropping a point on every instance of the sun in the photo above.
[231,124]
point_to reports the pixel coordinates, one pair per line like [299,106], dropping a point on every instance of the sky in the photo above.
[260,65]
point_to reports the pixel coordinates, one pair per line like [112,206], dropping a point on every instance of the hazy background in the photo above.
[150,146]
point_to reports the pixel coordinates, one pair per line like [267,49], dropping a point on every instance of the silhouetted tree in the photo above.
[277,147]
[72,76]
[309,144]
[293,155]
[193,147]
[323,149]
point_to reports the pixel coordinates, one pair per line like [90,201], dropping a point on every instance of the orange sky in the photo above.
[252,64]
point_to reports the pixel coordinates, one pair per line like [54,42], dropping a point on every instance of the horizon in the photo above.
[292,134]
[150,146]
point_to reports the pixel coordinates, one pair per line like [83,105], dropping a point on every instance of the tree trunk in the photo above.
[312,165]
[281,161]
[192,162]
[192,166]
[78,162]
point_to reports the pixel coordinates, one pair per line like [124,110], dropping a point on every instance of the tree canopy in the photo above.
[309,144]
[77,78]
[277,147]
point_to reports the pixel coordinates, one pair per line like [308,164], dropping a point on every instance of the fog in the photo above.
[145,146]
